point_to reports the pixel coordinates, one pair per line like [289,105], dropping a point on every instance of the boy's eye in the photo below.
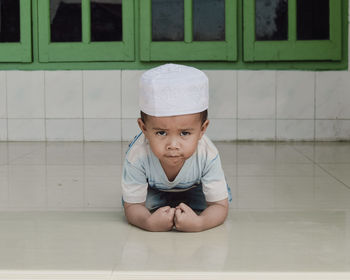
[161,133]
[185,133]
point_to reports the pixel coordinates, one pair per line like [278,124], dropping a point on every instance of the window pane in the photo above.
[106,20]
[65,18]
[167,20]
[313,19]
[209,20]
[271,20]
[9,21]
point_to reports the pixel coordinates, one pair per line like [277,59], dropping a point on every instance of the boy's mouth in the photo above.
[172,156]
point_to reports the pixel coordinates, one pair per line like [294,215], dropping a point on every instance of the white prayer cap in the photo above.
[173,89]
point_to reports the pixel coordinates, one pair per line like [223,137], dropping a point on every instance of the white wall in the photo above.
[244,105]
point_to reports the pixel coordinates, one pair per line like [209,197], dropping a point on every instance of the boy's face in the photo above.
[173,139]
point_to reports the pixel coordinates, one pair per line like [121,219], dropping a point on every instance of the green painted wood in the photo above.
[145,29]
[189,50]
[188,21]
[231,19]
[86,50]
[292,20]
[22,51]
[292,50]
[137,64]
[86,21]
[193,51]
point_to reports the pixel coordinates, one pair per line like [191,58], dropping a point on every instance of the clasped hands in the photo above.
[182,217]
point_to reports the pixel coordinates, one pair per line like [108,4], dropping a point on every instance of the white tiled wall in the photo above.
[244,105]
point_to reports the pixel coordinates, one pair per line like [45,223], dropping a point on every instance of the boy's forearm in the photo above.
[137,215]
[214,215]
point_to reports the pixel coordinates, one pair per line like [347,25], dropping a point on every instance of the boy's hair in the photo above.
[203,116]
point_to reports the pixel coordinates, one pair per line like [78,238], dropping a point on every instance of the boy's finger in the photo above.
[184,207]
[171,211]
[178,212]
[165,208]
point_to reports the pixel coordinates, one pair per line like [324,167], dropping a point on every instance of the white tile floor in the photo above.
[61,216]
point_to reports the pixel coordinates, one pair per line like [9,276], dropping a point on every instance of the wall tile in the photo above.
[25,94]
[130,129]
[332,95]
[222,94]
[256,129]
[130,93]
[26,130]
[3,129]
[330,130]
[63,91]
[102,94]
[222,129]
[3,102]
[295,95]
[64,130]
[256,94]
[102,129]
[295,129]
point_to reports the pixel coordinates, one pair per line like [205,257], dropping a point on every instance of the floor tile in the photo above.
[61,214]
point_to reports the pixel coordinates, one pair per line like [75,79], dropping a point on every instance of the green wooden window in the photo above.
[86,30]
[15,31]
[189,30]
[292,30]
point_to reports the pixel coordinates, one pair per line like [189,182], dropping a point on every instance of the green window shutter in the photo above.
[21,51]
[86,50]
[188,50]
[293,49]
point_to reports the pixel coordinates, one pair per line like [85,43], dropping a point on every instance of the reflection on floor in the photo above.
[60,213]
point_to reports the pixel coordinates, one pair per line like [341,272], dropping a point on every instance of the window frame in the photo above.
[188,50]
[292,49]
[85,50]
[20,51]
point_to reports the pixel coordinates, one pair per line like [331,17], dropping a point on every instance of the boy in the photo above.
[172,171]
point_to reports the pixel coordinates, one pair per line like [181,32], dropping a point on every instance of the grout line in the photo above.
[276,81]
[6,108]
[83,105]
[121,105]
[315,89]
[45,115]
[237,105]
[321,167]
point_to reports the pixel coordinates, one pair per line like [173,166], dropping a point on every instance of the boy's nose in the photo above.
[173,144]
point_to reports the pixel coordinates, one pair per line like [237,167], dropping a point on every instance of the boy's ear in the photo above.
[204,127]
[141,124]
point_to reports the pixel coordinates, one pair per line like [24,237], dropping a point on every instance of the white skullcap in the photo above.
[173,89]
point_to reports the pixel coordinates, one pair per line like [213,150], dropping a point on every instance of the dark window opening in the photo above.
[271,20]
[9,21]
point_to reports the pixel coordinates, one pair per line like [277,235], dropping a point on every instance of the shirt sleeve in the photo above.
[134,183]
[213,181]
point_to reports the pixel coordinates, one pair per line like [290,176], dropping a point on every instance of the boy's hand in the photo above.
[186,219]
[162,219]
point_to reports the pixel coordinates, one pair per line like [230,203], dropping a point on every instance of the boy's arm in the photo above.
[215,214]
[187,220]
[161,220]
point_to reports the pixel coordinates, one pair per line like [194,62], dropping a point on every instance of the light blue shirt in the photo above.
[142,169]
